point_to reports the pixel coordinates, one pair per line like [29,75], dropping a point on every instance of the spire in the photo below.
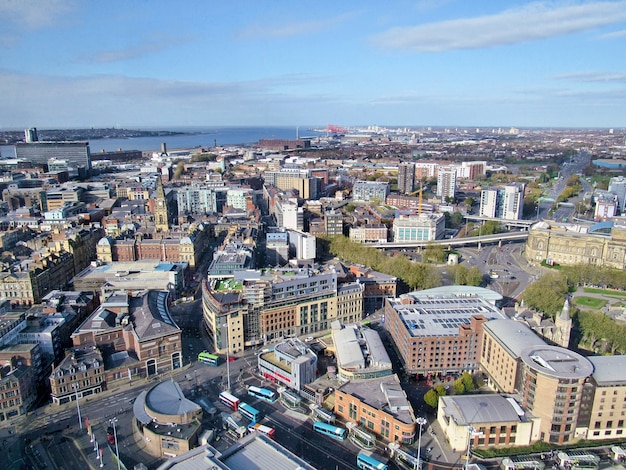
[564,315]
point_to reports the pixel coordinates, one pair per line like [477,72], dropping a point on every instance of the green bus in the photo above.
[208,358]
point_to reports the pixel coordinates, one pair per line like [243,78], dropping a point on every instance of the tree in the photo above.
[431,398]
[459,387]
[468,382]
[434,253]
[547,294]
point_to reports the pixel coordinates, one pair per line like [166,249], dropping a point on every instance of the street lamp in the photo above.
[80,421]
[225,325]
[117,449]
[471,431]
[421,422]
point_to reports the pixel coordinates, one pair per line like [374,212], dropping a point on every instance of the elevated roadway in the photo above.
[455,242]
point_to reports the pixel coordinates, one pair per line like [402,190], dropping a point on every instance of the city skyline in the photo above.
[76,63]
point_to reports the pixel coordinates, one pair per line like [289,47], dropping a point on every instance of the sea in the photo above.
[192,138]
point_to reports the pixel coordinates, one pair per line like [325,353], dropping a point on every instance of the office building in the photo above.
[76,154]
[421,227]
[290,363]
[255,307]
[406,177]
[30,135]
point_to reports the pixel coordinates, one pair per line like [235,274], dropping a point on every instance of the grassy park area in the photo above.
[589,302]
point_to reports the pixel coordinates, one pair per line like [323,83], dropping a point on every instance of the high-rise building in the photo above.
[446,182]
[30,135]
[406,177]
[617,185]
[503,203]
[76,154]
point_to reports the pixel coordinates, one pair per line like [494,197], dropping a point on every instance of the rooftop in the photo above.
[609,370]
[167,398]
[557,362]
[513,335]
[476,409]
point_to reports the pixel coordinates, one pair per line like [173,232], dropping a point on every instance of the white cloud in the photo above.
[291,28]
[614,34]
[146,47]
[532,22]
[605,77]
[34,14]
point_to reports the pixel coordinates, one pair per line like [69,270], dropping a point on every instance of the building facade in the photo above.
[570,245]
[422,227]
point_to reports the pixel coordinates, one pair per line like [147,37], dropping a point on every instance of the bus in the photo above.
[230,400]
[209,359]
[370,461]
[262,428]
[249,412]
[263,394]
[334,432]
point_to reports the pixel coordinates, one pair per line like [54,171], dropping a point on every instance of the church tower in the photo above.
[563,326]
[160,212]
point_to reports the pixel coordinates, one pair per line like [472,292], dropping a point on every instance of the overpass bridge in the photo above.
[523,224]
[498,238]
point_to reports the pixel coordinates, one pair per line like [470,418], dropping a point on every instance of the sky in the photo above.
[157,63]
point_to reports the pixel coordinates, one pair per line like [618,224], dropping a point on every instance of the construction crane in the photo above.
[419,201]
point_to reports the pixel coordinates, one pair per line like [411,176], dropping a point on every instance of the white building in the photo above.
[422,227]
[237,198]
[291,363]
[503,203]
[302,245]
[289,215]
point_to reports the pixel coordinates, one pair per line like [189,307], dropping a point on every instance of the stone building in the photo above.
[602,244]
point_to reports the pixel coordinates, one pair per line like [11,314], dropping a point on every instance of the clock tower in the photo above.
[160,213]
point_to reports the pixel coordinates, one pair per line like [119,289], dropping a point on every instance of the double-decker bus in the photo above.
[209,359]
[263,393]
[262,428]
[370,461]
[249,412]
[230,400]
[334,432]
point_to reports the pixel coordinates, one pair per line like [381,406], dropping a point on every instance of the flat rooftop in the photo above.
[557,362]
[442,315]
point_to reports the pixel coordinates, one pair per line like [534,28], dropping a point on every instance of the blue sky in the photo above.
[141,63]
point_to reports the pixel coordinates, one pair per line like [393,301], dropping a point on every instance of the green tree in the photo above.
[431,398]
[474,277]
[468,382]
[434,253]
[459,387]
[547,294]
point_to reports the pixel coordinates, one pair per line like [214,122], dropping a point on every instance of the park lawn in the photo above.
[611,292]
[589,302]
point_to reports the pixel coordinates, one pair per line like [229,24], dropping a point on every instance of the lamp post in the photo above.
[471,431]
[421,422]
[117,449]
[80,421]
[225,325]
